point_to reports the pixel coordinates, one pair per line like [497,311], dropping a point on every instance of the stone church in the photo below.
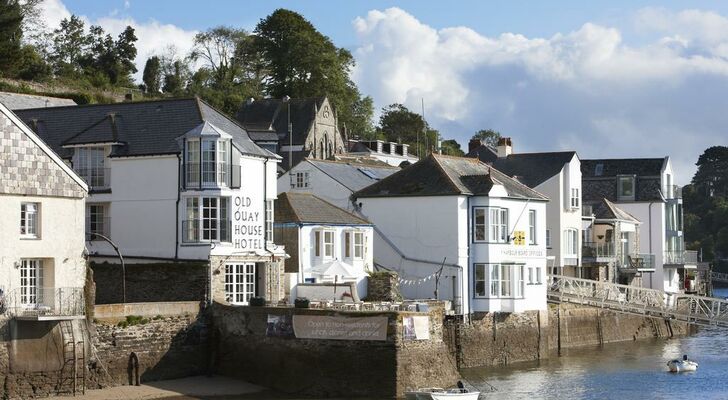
[314,128]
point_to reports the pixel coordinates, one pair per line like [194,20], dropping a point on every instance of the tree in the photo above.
[712,175]
[451,147]
[488,137]
[217,49]
[361,120]
[11,32]
[398,124]
[152,75]
[302,62]
[69,45]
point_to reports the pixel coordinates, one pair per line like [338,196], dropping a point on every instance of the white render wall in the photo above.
[320,184]
[61,242]
[307,256]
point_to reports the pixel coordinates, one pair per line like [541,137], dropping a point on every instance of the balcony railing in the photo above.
[224,175]
[101,226]
[197,231]
[34,303]
[681,257]
[595,250]
[587,210]
[674,192]
[639,262]
[96,178]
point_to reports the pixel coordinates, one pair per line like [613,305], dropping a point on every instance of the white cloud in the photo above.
[587,90]
[154,37]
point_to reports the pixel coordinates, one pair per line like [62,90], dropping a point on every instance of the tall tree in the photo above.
[302,62]
[398,124]
[712,174]
[452,147]
[11,32]
[217,50]
[152,75]
[487,136]
[69,46]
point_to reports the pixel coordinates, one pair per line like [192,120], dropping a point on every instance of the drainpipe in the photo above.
[649,213]
[176,210]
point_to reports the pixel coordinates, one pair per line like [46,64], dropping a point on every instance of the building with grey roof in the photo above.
[327,246]
[314,130]
[21,101]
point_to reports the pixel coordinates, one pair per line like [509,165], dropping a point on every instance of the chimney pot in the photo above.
[474,144]
[505,147]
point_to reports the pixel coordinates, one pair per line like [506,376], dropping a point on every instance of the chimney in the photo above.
[473,144]
[505,147]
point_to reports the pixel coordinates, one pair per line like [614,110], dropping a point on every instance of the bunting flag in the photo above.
[403,281]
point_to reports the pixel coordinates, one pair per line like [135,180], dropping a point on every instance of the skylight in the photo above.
[598,169]
[369,173]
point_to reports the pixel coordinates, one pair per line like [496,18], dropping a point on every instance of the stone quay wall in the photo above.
[330,368]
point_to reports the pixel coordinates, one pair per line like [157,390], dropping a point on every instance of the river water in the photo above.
[630,370]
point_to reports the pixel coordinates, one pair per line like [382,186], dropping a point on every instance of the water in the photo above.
[630,370]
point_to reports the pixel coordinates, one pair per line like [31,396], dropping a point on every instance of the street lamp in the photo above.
[123,267]
[287,100]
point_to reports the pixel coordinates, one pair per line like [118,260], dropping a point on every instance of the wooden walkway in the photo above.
[696,310]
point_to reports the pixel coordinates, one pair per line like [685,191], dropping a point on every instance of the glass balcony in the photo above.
[97,179]
[598,252]
[681,257]
[198,176]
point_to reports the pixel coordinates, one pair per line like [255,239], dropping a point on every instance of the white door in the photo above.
[31,282]
[239,283]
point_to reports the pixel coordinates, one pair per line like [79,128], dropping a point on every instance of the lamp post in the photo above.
[123,267]
[287,100]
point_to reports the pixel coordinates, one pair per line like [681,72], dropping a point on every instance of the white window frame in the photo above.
[90,164]
[239,283]
[571,242]
[532,225]
[498,224]
[302,180]
[31,282]
[222,163]
[480,274]
[30,220]
[99,211]
[269,221]
[574,198]
[620,195]
[193,163]
[531,278]
[538,275]
[208,219]
[359,245]
[328,246]
[480,224]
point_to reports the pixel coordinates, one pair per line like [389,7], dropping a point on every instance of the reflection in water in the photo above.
[630,370]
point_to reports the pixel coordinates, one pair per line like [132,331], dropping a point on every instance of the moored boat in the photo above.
[441,394]
[683,365]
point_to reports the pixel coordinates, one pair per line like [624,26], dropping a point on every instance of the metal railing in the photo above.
[681,257]
[639,261]
[100,226]
[197,231]
[224,174]
[48,301]
[698,310]
[95,178]
[674,192]
[598,250]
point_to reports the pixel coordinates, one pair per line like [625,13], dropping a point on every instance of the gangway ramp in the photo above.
[696,310]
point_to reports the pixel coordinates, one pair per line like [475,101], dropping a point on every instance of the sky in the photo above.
[613,79]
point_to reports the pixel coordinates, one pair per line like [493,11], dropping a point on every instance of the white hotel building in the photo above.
[485,230]
[173,181]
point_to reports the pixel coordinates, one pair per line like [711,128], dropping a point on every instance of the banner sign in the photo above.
[339,328]
[416,328]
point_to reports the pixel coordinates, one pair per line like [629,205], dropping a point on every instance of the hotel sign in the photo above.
[339,328]
[523,253]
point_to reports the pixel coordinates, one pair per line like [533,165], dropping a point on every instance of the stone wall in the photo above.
[329,368]
[383,286]
[167,348]
[150,282]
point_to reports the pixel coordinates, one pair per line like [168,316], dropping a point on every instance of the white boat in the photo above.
[441,394]
[683,365]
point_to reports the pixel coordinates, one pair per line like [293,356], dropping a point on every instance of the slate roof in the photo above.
[273,114]
[606,210]
[20,101]
[623,166]
[144,128]
[484,153]
[353,175]
[533,169]
[307,208]
[438,175]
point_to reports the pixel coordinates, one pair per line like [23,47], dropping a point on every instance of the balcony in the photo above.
[598,252]
[45,304]
[681,258]
[638,262]
[208,231]
[97,179]
[224,175]
[674,192]
[587,211]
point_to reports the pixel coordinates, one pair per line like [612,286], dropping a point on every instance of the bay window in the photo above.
[207,163]
[496,221]
[208,220]
[505,280]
